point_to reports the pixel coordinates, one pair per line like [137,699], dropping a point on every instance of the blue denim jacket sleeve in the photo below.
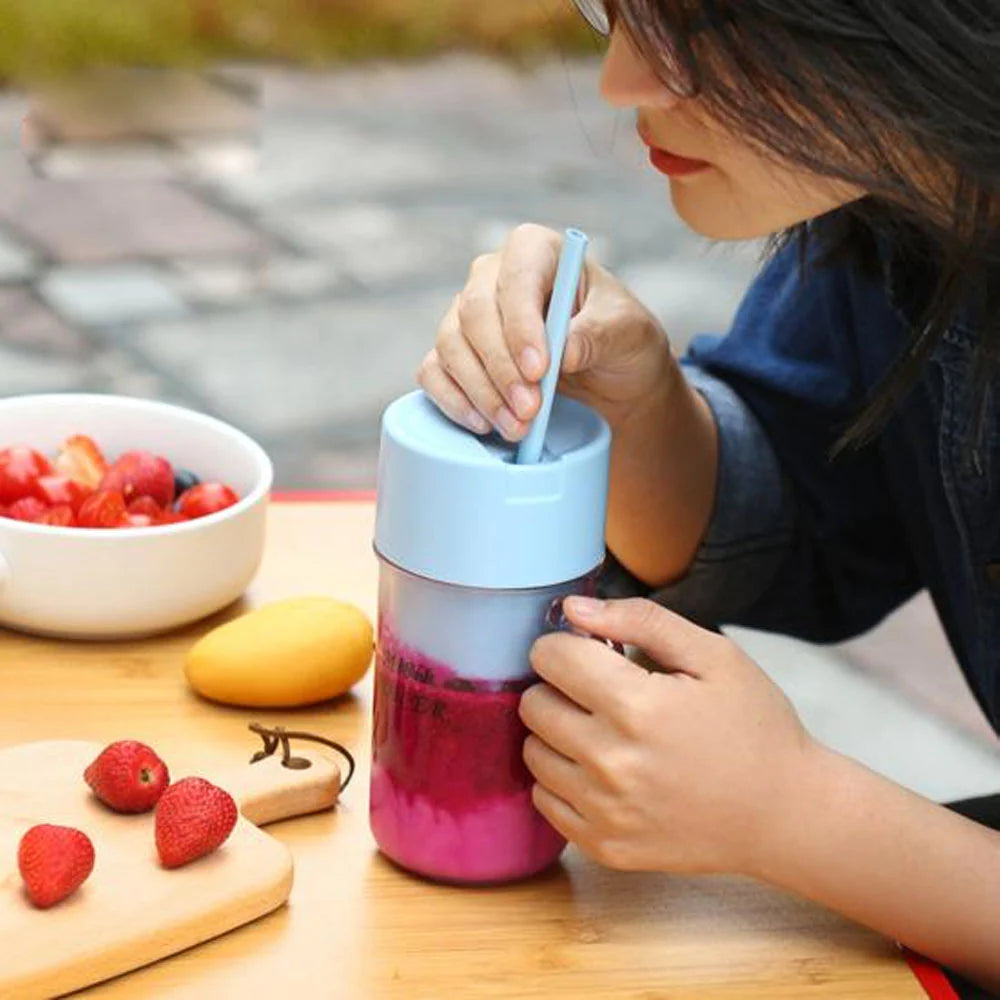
[798,542]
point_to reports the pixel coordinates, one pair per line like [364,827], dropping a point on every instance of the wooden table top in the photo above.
[357,928]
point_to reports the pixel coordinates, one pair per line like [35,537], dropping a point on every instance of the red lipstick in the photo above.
[670,163]
[675,166]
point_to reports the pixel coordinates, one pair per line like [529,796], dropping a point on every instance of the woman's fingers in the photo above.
[557,773]
[457,358]
[525,276]
[559,813]
[448,395]
[482,326]
[560,723]
[491,346]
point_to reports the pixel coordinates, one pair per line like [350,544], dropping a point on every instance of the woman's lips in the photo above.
[675,166]
[670,163]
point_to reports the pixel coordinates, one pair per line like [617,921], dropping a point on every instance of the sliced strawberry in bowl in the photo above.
[172,517]
[103,509]
[26,509]
[145,512]
[59,516]
[205,499]
[81,460]
[61,490]
[147,507]
[140,473]
[20,469]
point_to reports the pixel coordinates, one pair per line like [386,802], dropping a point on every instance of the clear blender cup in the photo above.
[473,550]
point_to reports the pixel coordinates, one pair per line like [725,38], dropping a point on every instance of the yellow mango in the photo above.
[294,652]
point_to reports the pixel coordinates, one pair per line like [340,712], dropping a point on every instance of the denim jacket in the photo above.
[823,548]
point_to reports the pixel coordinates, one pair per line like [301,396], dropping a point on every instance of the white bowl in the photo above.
[87,583]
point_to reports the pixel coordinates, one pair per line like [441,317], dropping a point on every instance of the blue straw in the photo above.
[556,328]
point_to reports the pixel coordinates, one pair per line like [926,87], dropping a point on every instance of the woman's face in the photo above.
[720,186]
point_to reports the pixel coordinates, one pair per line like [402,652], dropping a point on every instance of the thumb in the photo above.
[582,344]
[596,330]
[674,642]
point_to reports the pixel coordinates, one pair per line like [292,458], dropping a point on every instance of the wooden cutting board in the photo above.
[131,911]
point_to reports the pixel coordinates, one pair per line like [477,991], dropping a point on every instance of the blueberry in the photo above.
[184,480]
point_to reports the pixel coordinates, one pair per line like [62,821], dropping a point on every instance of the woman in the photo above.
[836,452]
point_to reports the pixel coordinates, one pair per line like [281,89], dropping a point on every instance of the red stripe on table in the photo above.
[323,496]
[930,977]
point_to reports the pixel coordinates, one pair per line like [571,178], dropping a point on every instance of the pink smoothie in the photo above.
[450,794]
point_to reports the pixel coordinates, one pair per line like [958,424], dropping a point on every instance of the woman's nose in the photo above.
[627,81]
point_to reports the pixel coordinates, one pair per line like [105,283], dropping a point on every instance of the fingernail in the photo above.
[584,607]
[531,362]
[507,423]
[523,400]
[477,422]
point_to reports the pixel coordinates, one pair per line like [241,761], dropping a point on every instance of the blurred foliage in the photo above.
[43,38]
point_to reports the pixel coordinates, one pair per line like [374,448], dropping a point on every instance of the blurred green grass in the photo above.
[45,38]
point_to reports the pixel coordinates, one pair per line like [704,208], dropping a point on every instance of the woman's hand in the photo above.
[686,770]
[490,353]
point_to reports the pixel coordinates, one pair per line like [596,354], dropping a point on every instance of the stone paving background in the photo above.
[293,288]
[296,296]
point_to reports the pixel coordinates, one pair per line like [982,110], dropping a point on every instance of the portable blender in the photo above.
[476,538]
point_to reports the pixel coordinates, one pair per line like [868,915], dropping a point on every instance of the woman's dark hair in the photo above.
[898,97]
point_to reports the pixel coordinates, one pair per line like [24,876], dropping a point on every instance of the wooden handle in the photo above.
[267,791]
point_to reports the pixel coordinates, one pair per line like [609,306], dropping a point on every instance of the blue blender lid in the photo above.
[455,507]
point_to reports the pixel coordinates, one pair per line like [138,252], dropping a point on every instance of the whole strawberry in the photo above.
[128,776]
[54,862]
[141,474]
[193,818]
